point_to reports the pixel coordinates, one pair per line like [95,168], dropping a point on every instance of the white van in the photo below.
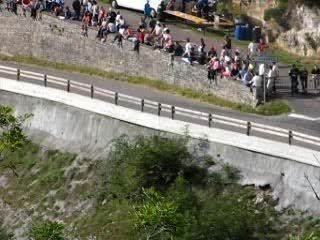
[139,4]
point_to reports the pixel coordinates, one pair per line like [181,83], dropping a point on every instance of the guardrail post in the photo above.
[209,120]
[142,105]
[18,74]
[248,128]
[290,137]
[173,110]
[116,97]
[68,86]
[45,80]
[159,109]
[91,91]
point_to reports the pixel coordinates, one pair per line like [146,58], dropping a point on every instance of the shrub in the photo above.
[48,230]
[157,217]
[148,162]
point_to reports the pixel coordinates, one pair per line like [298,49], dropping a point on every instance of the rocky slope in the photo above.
[301,35]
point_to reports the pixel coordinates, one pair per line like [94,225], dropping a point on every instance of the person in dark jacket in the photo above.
[160,12]
[304,79]
[316,77]
[76,5]
[294,74]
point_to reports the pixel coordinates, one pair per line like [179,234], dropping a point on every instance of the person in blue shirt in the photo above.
[147,10]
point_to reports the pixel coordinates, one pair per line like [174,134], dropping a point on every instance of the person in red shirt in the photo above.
[140,35]
[262,46]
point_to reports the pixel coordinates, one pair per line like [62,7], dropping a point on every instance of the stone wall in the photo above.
[61,41]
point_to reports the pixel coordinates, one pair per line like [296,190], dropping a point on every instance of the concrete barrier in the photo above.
[86,126]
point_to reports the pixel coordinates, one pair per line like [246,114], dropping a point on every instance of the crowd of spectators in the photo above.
[229,63]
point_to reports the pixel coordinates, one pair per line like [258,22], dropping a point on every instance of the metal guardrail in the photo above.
[173,111]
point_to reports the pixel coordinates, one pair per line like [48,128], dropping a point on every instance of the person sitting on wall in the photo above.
[102,28]
[212,51]
[167,41]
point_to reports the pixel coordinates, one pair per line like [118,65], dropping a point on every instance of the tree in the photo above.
[146,162]
[12,135]
[48,230]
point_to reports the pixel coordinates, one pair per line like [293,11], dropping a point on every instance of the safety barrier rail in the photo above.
[173,111]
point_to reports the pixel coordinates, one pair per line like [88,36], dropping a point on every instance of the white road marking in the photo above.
[300,116]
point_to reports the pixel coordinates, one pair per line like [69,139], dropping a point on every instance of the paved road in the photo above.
[301,125]
[307,107]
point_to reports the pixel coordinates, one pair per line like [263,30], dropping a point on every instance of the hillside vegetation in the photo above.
[149,187]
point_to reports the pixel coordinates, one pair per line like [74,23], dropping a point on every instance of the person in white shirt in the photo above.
[262,70]
[258,87]
[188,48]
[271,78]
[158,29]
[253,49]
[275,69]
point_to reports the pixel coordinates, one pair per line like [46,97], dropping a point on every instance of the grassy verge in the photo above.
[275,107]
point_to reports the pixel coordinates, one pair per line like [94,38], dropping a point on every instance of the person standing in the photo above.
[294,74]
[304,79]
[76,5]
[316,77]
[256,84]
[147,10]
[160,12]
[271,79]
[275,69]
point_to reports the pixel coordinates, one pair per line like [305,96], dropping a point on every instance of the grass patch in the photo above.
[276,107]
[105,1]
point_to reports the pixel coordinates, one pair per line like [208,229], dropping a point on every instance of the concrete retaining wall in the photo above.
[86,126]
[57,40]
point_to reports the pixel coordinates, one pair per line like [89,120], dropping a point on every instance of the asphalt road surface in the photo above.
[143,92]
[305,106]
[306,118]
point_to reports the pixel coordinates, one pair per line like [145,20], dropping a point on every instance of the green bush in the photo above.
[278,13]
[146,162]
[48,230]
[302,236]
[157,217]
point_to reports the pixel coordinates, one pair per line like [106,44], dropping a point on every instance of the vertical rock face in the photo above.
[304,38]
[256,8]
